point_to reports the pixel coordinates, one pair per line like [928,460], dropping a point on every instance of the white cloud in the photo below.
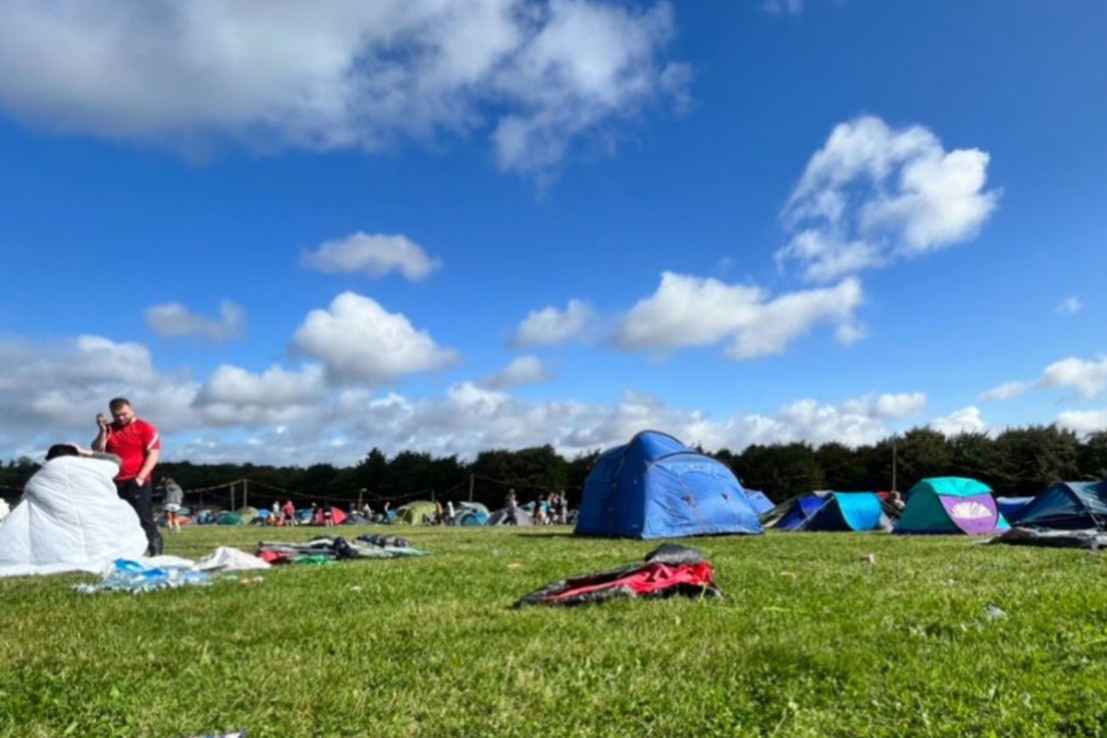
[293,416]
[1069,306]
[965,420]
[358,341]
[873,194]
[1086,378]
[688,311]
[1083,421]
[888,406]
[1006,391]
[173,320]
[364,75]
[374,255]
[551,326]
[521,371]
[237,397]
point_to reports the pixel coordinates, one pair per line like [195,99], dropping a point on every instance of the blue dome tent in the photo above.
[656,487]
[1068,506]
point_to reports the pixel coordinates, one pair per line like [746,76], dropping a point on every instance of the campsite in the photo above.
[810,640]
[527,368]
[818,621]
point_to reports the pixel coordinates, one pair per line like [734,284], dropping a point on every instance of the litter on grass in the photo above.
[330,550]
[171,572]
[669,570]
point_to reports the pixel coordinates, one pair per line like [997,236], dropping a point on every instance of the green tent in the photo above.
[247,514]
[416,513]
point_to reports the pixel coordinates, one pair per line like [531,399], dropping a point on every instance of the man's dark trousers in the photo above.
[141,499]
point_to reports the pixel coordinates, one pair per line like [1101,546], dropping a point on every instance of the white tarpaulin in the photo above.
[70,519]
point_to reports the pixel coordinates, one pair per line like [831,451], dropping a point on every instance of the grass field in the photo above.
[810,641]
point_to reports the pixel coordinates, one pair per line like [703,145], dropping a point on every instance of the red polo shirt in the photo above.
[132,443]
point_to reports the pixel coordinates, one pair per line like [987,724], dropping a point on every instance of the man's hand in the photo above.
[102,421]
[140,480]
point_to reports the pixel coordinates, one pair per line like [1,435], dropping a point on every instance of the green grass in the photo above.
[810,641]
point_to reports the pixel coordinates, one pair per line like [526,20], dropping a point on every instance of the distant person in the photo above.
[896,500]
[540,510]
[512,505]
[562,509]
[174,498]
[328,516]
[137,443]
[288,513]
[450,512]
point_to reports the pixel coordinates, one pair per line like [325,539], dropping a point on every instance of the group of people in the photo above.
[551,510]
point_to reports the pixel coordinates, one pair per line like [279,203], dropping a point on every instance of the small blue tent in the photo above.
[831,511]
[1068,506]
[858,511]
[656,487]
[1011,508]
[798,512]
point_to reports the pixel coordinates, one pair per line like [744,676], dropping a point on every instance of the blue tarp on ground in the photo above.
[656,487]
[1068,506]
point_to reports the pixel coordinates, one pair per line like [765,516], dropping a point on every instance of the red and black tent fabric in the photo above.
[669,570]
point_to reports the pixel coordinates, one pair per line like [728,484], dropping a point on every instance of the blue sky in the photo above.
[291,235]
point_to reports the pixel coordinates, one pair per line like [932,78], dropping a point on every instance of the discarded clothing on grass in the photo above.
[125,575]
[335,549]
[1090,539]
[230,559]
[669,570]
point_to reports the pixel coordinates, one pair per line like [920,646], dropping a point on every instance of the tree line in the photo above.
[1015,462]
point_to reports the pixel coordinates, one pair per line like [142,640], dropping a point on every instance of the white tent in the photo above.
[69,519]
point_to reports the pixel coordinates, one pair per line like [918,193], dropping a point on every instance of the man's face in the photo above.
[124,415]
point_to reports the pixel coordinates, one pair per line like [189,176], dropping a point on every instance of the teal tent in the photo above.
[950,505]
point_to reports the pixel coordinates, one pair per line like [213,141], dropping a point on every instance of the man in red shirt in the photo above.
[137,443]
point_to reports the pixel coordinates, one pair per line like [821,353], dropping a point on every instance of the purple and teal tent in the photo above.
[950,505]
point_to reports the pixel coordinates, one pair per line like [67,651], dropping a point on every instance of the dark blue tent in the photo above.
[798,512]
[656,487]
[1012,507]
[1068,506]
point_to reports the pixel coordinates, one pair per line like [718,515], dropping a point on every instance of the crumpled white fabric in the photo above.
[230,559]
[69,519]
